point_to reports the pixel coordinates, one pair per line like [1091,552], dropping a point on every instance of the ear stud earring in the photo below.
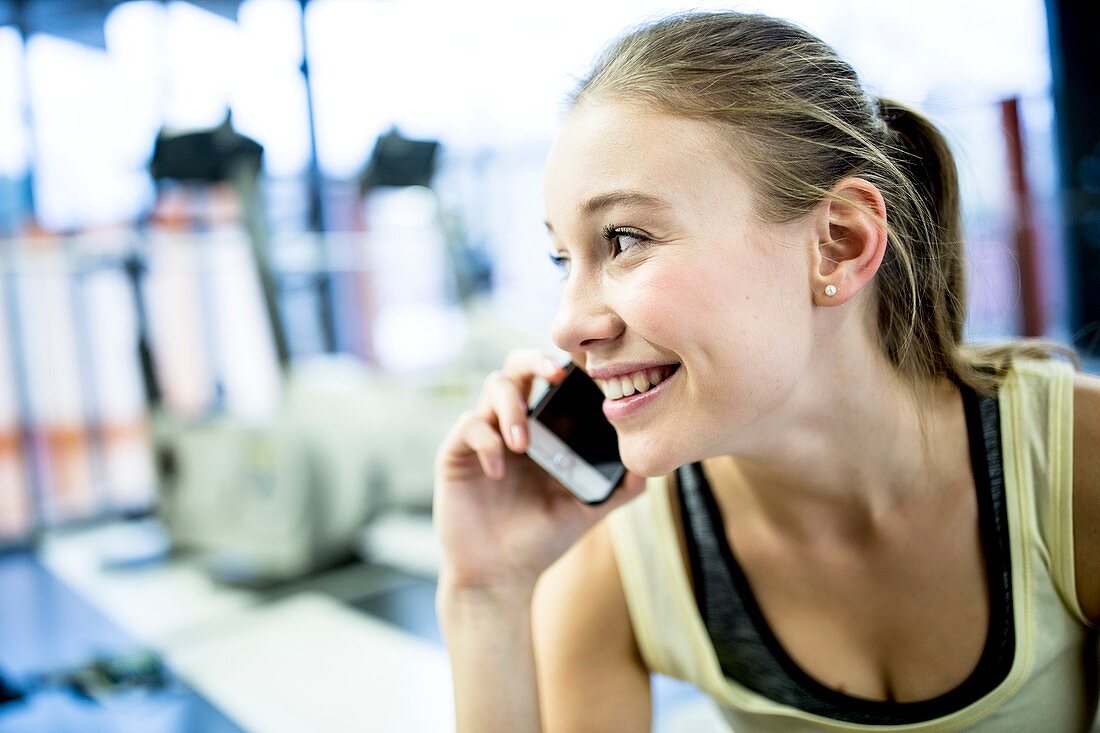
[830,289]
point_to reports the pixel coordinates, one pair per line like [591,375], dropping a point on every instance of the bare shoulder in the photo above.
[590,673]
[1086,492]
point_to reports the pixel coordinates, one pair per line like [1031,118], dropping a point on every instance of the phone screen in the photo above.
[574,413]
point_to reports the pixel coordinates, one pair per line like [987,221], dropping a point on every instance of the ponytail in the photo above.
[925,158]
[925,277]
[922,154]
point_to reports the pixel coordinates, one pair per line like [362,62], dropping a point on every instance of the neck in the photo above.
[850,445]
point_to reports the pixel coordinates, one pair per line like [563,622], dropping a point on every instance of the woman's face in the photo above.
[668,265]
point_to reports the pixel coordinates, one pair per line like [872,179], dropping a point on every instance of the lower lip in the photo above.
[626,406]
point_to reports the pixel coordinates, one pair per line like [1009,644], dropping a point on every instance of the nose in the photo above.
[584,318]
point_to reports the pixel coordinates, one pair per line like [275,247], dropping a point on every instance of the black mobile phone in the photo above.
[572,440]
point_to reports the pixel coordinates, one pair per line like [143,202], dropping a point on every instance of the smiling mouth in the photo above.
[638,382]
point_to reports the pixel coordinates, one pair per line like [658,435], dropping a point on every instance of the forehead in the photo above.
[611,145]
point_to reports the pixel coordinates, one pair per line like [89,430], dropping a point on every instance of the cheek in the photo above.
[744,338]
[663,303]
[712,309]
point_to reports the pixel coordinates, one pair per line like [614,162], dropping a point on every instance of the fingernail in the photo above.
[549,367]
[496,465]
[517,435]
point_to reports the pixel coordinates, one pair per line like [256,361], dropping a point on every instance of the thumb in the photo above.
[631,486]
[632,483]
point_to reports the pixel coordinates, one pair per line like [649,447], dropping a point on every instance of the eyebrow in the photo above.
[618,197]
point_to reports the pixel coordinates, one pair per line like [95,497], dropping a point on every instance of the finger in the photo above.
[520,363]
[511,413]
[484,407]
[485,441]
[524,365]
[521,367]
[472,435]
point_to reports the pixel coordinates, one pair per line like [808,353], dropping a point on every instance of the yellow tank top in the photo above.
[1052,682]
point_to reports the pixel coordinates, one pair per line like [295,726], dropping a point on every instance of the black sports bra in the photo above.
[748,650]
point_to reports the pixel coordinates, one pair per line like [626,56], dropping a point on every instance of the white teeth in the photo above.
[636,383]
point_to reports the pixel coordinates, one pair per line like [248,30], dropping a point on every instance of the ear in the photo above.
[850,241]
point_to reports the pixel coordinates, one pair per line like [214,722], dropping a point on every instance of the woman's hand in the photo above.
[501,518]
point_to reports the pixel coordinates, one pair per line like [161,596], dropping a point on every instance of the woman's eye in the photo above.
[625,240]
[560,262]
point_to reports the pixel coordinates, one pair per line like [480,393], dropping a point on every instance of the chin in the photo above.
[645,460]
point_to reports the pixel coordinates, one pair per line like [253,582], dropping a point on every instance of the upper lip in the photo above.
[619,370]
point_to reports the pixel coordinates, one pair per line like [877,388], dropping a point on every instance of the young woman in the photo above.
[852,520]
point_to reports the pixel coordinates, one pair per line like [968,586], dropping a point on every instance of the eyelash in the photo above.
[610,234]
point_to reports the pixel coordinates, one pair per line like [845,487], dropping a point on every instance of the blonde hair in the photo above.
[802,122]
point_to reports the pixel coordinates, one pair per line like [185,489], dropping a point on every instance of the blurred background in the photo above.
[256,256]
